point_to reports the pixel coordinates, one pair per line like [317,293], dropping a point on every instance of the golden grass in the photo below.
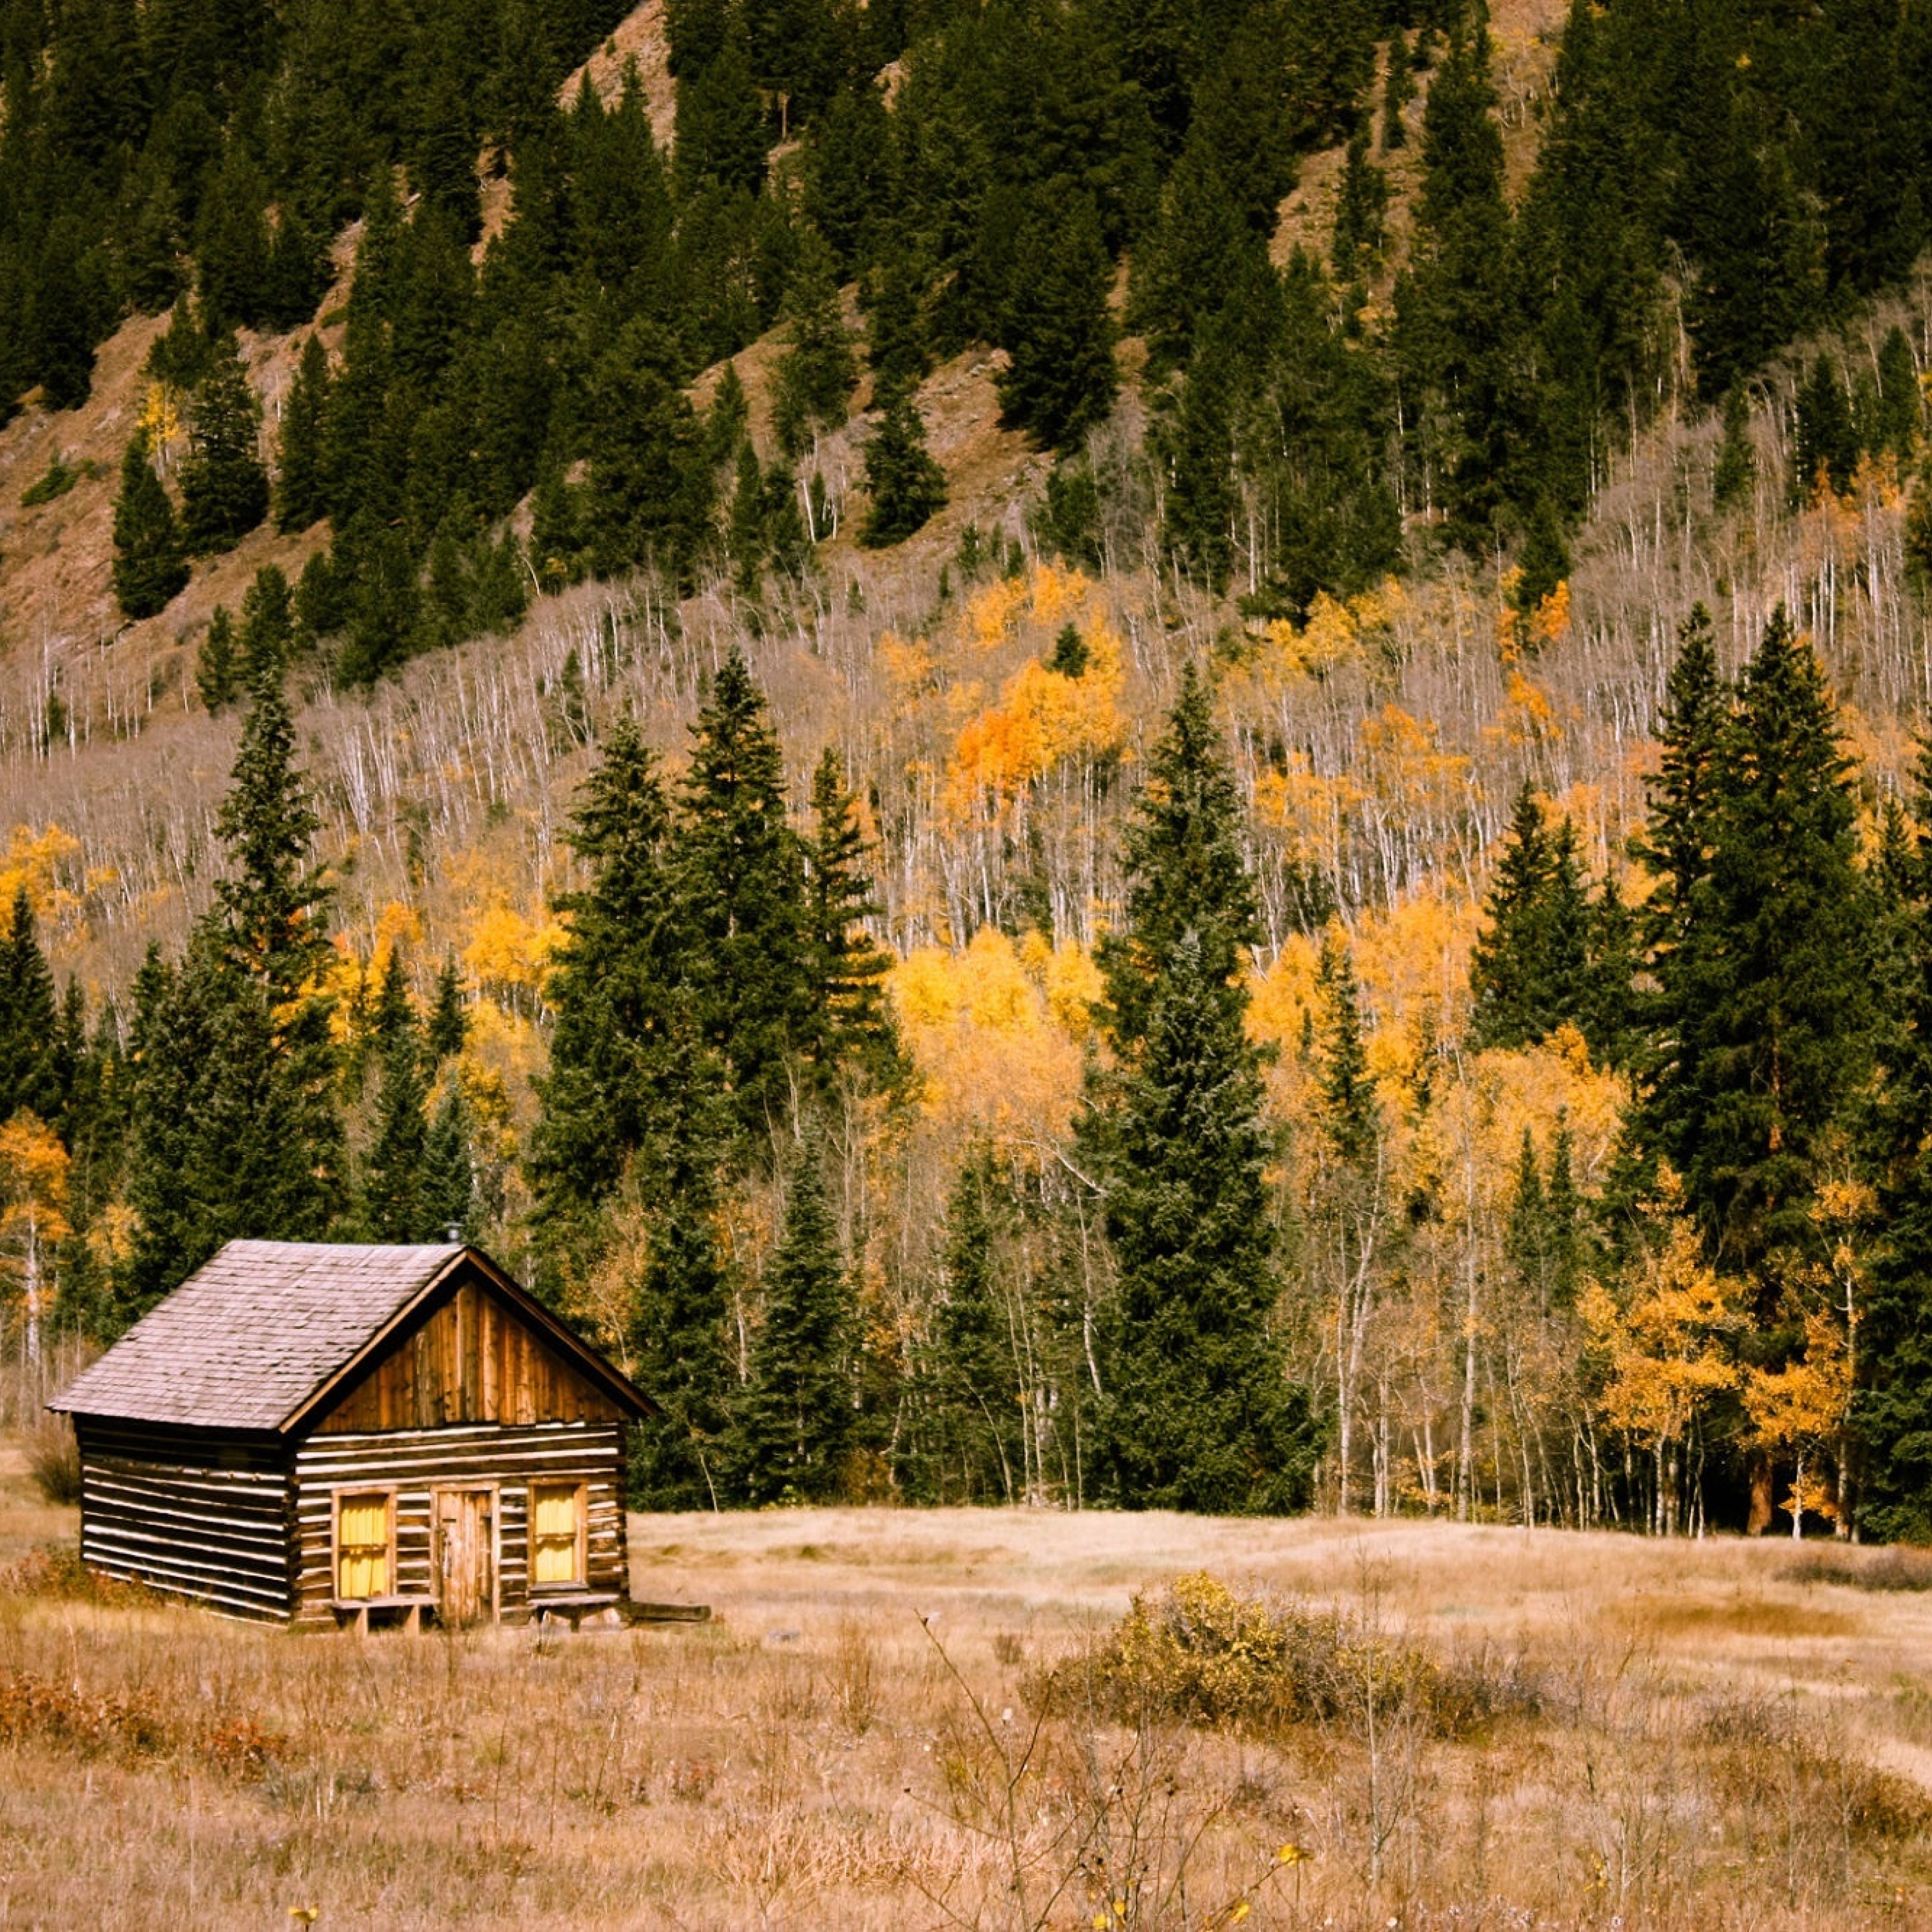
[1713,1737]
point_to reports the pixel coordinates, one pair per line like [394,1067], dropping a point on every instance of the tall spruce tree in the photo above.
[224,486]
[793,1423]
[847,966]
[1529,973]
[1055,325]
[392,1206]
[216,672]
[301,481]
[1197,1412]
[742,892]
[30,1035]
[150,563]
[907,488]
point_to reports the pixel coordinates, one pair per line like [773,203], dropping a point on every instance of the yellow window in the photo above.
[556,1522]
[362,1546]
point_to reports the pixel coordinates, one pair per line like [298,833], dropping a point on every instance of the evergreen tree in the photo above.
[793,1423]
[1736,467]
[1825,448]
[30,1077]
[447,1196]
[1398,91]
[742,892]
[268,627]
[847,966]
[1529,972]
[449,1027]
[907,488]
[224,487]
[649,494]
[815,375]
[1197,1412]
[1361,211]
[972,1388]
[302,482]
[150,566]
[1056,325]
[215,669]
[392,1204]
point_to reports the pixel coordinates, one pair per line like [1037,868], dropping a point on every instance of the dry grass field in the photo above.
[897,1720]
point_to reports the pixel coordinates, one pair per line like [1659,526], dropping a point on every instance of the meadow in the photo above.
[911,1719]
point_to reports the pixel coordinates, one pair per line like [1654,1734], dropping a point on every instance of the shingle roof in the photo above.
[243,1343]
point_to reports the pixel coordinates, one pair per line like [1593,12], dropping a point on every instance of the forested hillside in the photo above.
[1071,752]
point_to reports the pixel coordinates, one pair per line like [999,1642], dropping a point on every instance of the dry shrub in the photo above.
[1897,1568]
[1205,1654]
[53,1460]
[35,1710]
[1767,1761]
[55,1570]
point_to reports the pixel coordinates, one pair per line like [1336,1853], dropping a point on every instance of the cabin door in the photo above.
[466,1556]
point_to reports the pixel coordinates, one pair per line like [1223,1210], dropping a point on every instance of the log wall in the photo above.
[414,1463]
[204,1515]
[471,1359]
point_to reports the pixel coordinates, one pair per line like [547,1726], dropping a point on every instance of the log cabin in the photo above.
[326,1436]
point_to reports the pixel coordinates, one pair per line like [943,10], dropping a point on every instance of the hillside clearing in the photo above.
[1723,1734]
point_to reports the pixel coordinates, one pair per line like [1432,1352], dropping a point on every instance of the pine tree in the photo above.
[1197,1412]
[1056,325]
[1529,971]
[150,566]
[224,487]
[1361,211]
[650,485]
[743,894]
[907,488]
[301,481]
[971,1385]
[1824,447]
[268,627]
[447,1197]
[847,966]
[392,1205]
[1398,91]
[449,1027]
[29,1027]
[1765,992]
[793,1423]
[215,669]
[1736,467]
[815,375]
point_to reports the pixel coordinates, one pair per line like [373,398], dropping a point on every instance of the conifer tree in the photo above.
[1360,213]
[815,375]
[224,487]
[907,488]
[1529,971]
[150,566]
[448,1194]
[1056,325]
[216,672]
[971,1386]
[1736,466]
[848,966]
[448,1027]
[650,485]
[742,892]
[1398,91]
[29,1024]
[1197,1412]
[793,1423]
[301,481]
[1825,448]
[392,1205]
[268,627]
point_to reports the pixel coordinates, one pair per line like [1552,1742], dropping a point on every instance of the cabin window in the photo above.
[365,1544]
[556,1534]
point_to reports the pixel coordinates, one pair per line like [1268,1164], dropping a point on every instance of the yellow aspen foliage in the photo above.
[34,1168]
[1074,988]
[160,417]
[36,860]
[1059,596]
[908,666]
[1668,1352]
[1799,1409]
[1550,621]
[1312,810]
[1043,716]
[992,614]
[992,1055]
[1527,718]
[1403,757]
[509,953]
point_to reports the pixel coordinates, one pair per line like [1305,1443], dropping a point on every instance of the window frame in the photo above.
[579,1493]
[340,1494]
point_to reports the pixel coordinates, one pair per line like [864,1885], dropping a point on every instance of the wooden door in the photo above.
[466,1555]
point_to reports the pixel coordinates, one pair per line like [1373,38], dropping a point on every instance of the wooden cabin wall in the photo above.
[204,1518]
[472,1360]
[414,1464]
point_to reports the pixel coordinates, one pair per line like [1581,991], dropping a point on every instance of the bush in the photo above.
[53,1460]
[1204,1654]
